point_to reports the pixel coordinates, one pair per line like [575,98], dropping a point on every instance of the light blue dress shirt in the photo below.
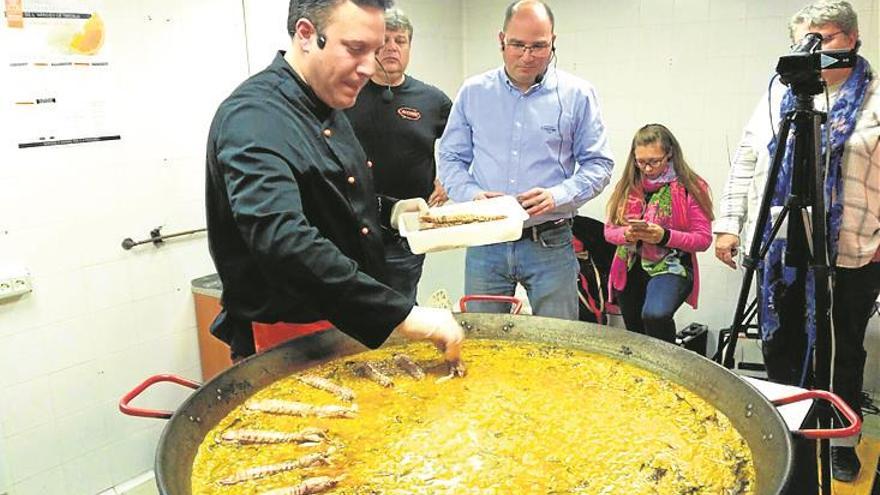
[499,138]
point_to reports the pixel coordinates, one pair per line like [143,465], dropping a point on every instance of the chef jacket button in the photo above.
[365,231]
[351,180]
[369,164]
[328,132]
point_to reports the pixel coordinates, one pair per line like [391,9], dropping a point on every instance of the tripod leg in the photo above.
[750,261]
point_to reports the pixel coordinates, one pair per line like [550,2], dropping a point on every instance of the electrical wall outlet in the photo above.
[14,281]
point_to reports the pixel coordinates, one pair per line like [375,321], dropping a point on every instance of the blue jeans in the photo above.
[546,267]
[648,304]
[403,269]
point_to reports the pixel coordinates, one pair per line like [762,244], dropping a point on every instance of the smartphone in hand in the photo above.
[638,224]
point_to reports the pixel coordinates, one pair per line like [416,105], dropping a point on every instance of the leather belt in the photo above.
[534,231]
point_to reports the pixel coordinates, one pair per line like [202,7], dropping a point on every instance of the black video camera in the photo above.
[802,68]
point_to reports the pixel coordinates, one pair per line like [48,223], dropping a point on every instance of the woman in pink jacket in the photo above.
[659,216]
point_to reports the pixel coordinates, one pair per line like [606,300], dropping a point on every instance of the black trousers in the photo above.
[854,294]
[853,297]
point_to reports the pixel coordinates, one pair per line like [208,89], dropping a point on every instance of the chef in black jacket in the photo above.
[294,224]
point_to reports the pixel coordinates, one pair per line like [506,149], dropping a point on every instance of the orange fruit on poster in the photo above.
[89,40]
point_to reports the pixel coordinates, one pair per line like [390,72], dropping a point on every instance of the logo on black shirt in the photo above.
[409,113]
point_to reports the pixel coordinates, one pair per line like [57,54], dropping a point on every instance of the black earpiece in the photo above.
[322,41]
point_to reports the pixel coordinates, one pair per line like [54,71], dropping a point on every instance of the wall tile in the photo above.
[178,351]
[76,388]
[726,38]
[50,482]
[107,285]
[22,356]
[657,12]
[618,12]
[55,297]
[727,9]
[148,274]
[32,452]
[84,431]
[5,483]
[160,315]
[70,343]
[116,328]
[125,369]
[26,406]
[88,473]
[131,456]
[691,11]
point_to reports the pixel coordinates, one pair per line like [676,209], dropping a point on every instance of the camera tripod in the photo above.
[806,245]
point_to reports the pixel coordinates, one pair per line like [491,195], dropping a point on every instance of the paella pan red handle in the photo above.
[515,303]
[855,423]
[126,409]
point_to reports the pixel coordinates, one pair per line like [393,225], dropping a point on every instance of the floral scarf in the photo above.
[664,192]
[777,278]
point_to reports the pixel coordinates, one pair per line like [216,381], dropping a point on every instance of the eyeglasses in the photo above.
[828,37]
[652,162]
[539,49]
[825,39]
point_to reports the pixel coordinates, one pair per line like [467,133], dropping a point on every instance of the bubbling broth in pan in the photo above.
[527,418]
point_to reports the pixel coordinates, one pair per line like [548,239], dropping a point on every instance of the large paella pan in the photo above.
[754,418]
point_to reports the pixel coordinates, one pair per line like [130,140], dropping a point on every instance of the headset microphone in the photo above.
[387,94]
[322,41]
[540,77]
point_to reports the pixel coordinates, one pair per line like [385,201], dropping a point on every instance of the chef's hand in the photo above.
[487,194]
[438,196]
[436,325]
[651,233]
[404,206]
[536,201]
[725,248]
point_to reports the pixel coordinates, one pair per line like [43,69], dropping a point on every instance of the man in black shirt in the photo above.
[397,118]
[294,224]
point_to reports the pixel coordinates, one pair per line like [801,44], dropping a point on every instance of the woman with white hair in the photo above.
[852,192]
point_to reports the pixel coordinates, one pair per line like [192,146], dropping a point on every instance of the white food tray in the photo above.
[472,234]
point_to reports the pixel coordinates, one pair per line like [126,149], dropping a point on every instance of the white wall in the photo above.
[101,319]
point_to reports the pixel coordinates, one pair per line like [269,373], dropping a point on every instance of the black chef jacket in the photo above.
[293,218]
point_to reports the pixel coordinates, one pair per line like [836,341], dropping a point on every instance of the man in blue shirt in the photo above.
[533,132]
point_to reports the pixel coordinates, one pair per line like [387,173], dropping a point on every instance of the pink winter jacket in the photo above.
[691,232]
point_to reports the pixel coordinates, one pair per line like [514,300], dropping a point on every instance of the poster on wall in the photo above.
[59,73]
